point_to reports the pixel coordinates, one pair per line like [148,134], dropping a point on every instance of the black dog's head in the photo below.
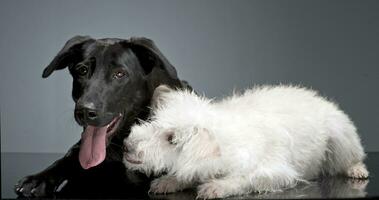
[113,81]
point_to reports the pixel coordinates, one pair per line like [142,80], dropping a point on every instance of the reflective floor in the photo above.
[112,182]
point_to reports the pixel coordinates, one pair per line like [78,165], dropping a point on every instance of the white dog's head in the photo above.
[175,140]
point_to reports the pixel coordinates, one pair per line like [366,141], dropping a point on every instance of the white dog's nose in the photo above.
[128,147]
[125,149]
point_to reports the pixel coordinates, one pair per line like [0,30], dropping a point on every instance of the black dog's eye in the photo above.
[119,74]
[81,70]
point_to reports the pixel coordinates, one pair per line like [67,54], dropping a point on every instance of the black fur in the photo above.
[110,77]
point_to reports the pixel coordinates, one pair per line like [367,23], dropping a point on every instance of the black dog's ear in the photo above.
[72,52]
[150,56]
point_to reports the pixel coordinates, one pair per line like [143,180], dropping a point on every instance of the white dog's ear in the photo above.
[201,145]
[158,95]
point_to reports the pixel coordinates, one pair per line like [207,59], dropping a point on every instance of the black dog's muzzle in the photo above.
[87,114]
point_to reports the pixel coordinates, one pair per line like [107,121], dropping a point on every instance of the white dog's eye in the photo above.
[170,138]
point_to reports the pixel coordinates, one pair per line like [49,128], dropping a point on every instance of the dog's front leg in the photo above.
[167,184]
[45,183]
[224,187]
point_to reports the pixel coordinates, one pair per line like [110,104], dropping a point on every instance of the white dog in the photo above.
[266,139]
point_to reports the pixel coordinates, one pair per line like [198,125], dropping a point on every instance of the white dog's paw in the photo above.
[357,171]
[211,190]
[164,185]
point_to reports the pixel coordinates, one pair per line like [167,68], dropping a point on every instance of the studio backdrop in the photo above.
[216,45]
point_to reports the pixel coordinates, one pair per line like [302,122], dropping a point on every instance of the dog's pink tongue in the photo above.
[92,147]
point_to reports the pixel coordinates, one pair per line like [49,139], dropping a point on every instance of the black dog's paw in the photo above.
[36,186]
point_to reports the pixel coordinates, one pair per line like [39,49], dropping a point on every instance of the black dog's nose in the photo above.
[91,114]
[85,112]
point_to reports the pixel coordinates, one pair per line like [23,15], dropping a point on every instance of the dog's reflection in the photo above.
[327,187]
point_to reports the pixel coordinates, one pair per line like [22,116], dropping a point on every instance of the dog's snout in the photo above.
[91,114]
[131,154]
[85,105]
[85,112]
[125,148]
[128,147]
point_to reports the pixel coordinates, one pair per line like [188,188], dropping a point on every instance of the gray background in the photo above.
[331,46]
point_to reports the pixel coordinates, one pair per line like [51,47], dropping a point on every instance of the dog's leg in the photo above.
[358,171]
[167,184]
[274,176]
[224,187]
[345,153]
[268,177]
[46,182]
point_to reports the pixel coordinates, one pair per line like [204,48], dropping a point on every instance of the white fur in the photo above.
[266,139]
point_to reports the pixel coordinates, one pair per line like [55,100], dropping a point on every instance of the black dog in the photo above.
[113,82]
